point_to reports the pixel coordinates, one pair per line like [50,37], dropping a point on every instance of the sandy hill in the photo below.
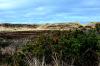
[30,27]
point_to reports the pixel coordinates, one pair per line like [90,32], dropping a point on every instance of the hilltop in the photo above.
[56,26]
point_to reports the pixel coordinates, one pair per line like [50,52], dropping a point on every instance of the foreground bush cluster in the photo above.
[58,48]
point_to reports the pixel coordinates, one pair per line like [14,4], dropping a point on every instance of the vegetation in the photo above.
[57,48]
[3,43]
[98,27]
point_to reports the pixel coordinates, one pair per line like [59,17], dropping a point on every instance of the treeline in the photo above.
[19,25]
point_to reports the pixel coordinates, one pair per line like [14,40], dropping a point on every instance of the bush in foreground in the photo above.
[59,48]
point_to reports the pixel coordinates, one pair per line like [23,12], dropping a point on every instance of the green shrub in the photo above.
[74,47]
[98,27]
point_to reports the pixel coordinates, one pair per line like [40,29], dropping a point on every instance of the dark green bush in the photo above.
[60,48]
[70,47]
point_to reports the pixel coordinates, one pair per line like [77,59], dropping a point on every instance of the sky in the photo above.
[49,11]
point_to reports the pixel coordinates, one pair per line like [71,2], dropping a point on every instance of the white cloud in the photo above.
[14,4]
[39,11]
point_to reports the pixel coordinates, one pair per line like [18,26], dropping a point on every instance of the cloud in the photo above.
[14,4]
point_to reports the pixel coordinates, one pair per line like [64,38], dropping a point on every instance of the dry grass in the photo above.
[22,27]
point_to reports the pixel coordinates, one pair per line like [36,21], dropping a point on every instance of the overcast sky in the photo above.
[49,11]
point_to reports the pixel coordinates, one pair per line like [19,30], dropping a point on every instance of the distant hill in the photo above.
[57,26]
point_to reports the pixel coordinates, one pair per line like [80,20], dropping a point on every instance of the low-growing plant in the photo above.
[59,48]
